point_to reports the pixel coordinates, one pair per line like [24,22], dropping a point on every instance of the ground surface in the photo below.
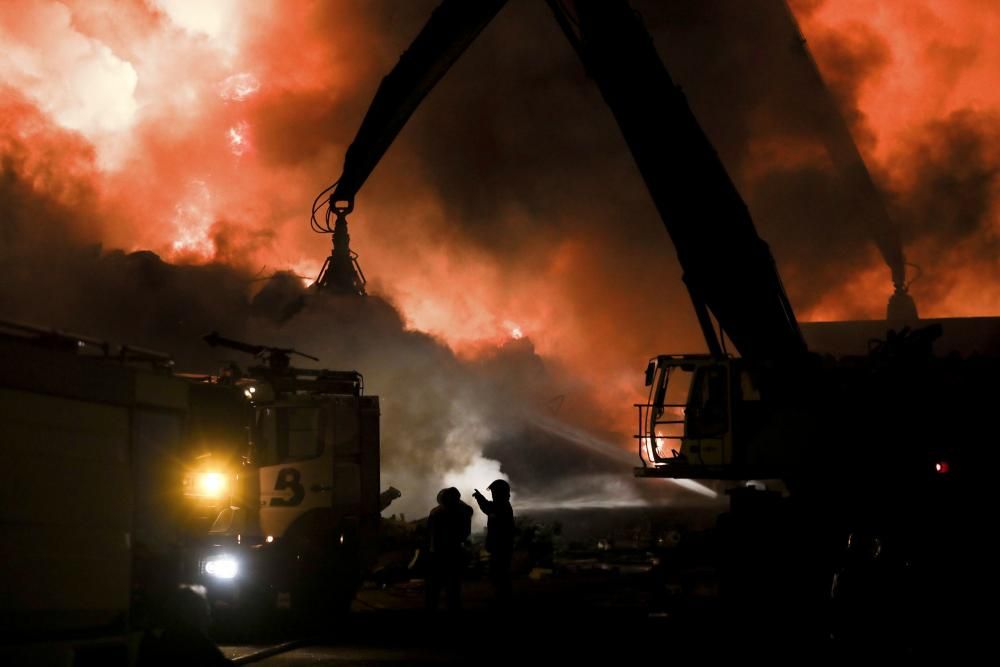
[571,618]
[577,617]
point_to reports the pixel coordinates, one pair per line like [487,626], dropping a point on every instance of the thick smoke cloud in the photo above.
[445,419]
[508,204]
[914,79]
[951,205]
[954,180]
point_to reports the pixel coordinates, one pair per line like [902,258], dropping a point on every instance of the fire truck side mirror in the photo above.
[650,372]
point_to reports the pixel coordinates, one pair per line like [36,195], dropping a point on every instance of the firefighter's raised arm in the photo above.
[485,505]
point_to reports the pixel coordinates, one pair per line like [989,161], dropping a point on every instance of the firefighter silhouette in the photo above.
[448,526]
[499,537]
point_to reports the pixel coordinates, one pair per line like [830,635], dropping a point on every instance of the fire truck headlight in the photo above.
[222,567]
[211,484]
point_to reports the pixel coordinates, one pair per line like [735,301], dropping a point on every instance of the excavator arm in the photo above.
[452,27]
[728,269]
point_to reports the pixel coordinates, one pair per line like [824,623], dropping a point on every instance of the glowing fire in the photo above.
[239,87]
[192,221]
[306,270]
[239,139]
[162,94]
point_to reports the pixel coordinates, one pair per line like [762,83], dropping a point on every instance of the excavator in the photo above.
[870,450]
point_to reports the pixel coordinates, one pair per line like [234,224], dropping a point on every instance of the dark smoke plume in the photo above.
[443,417]
[511,188]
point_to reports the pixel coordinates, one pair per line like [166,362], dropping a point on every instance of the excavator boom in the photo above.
[728,269]
[449,31]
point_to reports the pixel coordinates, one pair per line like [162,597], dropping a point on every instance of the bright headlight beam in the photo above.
[222,567]
[211,484]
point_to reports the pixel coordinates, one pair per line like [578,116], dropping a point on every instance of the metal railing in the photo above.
[649,437]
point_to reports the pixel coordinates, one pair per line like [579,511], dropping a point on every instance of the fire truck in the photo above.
[295,515]
[128,480]
[93,526]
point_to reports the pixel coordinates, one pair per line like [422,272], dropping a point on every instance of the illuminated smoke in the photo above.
[192,221]
[215,20]
[239,87]
[515,330]
[239,138]
[77,80]
[917,80]
[509,203]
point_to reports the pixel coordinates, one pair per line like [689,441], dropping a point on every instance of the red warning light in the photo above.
[942,467]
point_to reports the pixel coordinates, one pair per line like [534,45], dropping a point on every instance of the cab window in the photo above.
[287,434]
[707,408]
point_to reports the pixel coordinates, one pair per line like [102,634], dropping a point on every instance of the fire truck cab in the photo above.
[299,521]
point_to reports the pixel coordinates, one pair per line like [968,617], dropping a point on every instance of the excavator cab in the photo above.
[686,425]
[704,419]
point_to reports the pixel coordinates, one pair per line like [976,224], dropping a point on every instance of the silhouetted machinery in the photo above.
[128,480]
[97,440]
[873,445]
[299,524]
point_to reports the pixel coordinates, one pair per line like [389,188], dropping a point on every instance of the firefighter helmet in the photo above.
[500,485]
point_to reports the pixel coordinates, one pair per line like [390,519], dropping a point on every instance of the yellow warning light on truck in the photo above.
[211,484]
[206,485]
